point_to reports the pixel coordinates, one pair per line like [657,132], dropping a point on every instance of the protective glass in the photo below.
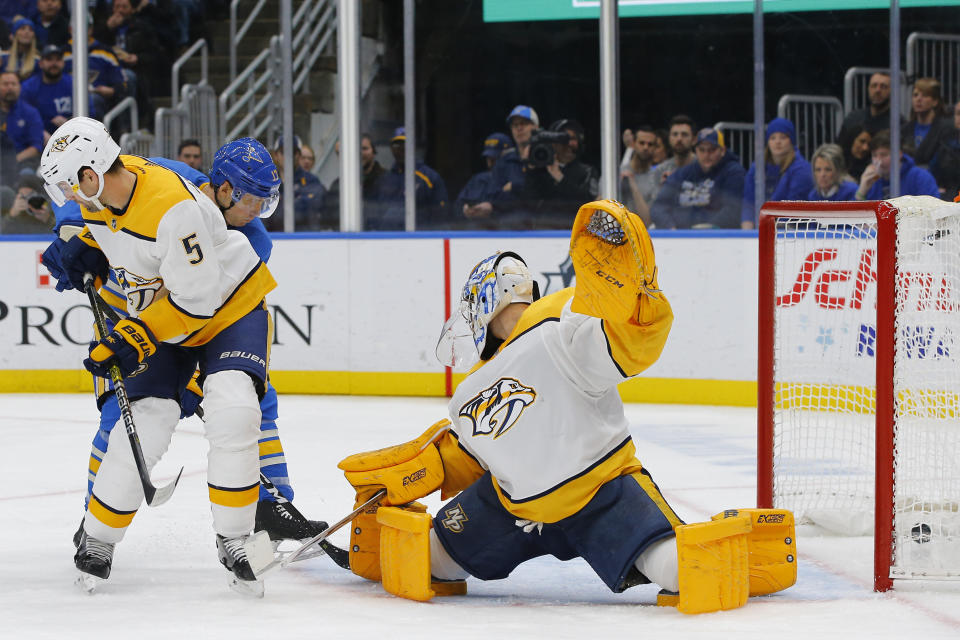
[60,192]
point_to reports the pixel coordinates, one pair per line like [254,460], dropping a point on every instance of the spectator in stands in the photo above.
[51,93]
[107,84]
[788,174]
[638,184]
[856,150]
[184,12]
[553,194]
[308,192]
[945,165]
[874,117]
[140,54]
[30,212]
[875,181]
[429,188]
[370,185]
[830,178]
[52,25]
[23,54]
[20,122]
[475,200]
[681,147]
[307,158]
[928,127]
[661,148]
[705,194]
[190,152]
[523,121]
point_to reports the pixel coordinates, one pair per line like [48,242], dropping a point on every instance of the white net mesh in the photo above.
[824,375]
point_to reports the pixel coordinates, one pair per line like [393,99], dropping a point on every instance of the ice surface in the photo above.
[166,581]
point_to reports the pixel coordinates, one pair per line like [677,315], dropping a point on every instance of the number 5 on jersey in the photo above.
[191,246]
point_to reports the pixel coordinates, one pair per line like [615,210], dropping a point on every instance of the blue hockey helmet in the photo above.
[247,166]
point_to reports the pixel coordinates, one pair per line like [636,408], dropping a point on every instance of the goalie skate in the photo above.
[233,557]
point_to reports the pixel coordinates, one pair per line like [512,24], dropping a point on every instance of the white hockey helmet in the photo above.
[495,283]
[77,143]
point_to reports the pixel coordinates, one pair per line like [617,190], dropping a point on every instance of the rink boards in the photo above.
[361,313]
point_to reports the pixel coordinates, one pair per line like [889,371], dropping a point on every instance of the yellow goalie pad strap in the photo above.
[365,536]
[460,469]
[408,471]
[615,265]
[405,553]
[712,565]
[166,321]
[772,545]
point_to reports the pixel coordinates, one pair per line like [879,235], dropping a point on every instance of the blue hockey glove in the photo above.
[52,261]
[190,398]
[78,258]
[129,344]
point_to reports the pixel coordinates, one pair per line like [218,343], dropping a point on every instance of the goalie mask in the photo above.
[79,142]
[494,283]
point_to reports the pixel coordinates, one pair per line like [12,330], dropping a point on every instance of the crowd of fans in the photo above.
[534,177]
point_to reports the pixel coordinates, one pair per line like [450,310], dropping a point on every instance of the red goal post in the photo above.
[848,432]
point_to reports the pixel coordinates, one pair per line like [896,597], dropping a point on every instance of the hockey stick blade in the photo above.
[159,495]
[257,556]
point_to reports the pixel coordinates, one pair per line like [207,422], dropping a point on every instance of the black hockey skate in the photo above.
[234,557]
[93,559]
[78,535]
[282,521]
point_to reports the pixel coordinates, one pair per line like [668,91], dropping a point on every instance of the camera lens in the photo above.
[36,201]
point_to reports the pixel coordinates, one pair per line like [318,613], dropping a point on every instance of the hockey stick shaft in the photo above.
[153,495]
[340,556]
[336,526]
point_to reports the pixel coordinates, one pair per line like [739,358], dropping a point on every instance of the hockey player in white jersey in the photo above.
[536,450]
[195,294]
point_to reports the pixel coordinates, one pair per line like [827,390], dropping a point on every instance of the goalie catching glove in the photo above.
[615,265]
[127,346]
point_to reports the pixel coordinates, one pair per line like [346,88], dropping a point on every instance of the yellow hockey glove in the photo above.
[615,265]
[127,346]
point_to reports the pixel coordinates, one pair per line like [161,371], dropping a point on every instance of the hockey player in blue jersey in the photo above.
[243,184]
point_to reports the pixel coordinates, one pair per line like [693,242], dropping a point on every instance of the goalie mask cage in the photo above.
[859,375]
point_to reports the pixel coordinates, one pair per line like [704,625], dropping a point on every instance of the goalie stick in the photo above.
[340,556]
[260,552]
[154,496]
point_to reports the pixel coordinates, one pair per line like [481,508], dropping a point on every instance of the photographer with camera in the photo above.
[557,181]
[29,212]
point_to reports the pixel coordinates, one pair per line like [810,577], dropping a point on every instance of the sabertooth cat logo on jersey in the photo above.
[498,407]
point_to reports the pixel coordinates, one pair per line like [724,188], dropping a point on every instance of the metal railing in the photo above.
[255,109]
[236,35]
[172,124]
[127,104]
[935,55]
[816,118]
[315,25]
[138,143]
[738,137]
[856,84]
[201,46]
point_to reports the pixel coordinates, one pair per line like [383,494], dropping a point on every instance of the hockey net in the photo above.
[859,371]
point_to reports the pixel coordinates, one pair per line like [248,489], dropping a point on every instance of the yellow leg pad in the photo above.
[773,549]
[449,588]
[365,537]
[667,598]
[712,561]
[405,553]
